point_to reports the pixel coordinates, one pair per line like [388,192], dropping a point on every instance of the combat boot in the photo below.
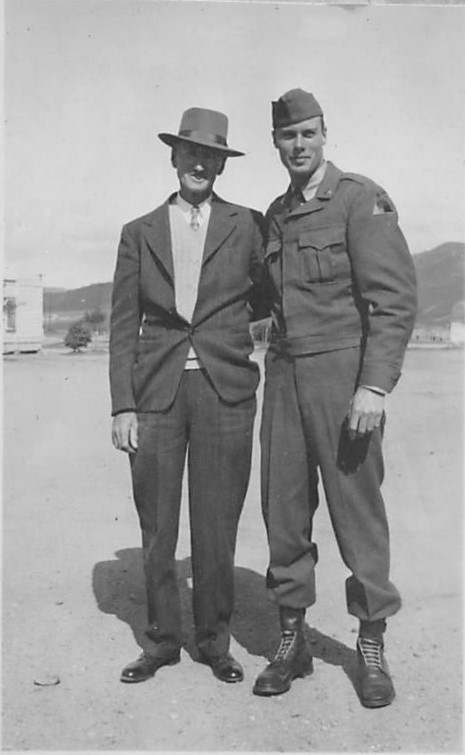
[377,689]
[292,659]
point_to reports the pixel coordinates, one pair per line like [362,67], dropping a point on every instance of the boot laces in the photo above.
[371,651]
[287,641]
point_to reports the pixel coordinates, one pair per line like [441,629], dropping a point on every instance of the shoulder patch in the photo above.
[383,203]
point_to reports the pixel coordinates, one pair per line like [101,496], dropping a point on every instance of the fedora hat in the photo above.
[208,128]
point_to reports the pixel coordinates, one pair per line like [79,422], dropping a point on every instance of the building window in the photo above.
[9,314]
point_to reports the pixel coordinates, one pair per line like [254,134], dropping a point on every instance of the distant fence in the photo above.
[431,335]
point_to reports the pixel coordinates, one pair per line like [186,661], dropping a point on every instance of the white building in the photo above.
[457,324]
[22,314]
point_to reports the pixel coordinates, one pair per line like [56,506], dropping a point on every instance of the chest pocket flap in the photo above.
[316,258]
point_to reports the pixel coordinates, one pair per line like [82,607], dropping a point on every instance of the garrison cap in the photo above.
[294,106]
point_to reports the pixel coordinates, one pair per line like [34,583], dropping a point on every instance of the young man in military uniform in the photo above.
[344,292]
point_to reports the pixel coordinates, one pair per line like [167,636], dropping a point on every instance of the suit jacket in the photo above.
[342,275]
[150,340]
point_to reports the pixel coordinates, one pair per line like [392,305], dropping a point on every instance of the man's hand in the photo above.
[124,432]
[365,413]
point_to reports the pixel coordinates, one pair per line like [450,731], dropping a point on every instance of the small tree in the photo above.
[9,313]
[78,336]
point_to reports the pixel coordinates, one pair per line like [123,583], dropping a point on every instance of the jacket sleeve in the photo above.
[385,281]
[260,295]
[124,324]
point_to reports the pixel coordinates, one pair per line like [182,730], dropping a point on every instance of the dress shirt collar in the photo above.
[314,181]
[186,207]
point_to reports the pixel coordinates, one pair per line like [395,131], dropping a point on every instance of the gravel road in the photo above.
[73,595]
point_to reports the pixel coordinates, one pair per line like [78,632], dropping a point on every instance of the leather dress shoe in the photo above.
[146,665]
[377,689]
[224,667]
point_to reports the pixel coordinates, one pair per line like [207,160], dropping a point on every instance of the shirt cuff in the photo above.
[375,389]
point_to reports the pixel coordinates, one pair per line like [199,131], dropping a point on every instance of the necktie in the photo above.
[297,199]
[195,218]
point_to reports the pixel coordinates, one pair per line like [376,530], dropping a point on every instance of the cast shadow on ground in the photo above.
[119,590]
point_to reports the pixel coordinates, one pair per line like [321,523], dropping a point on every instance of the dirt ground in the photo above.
[73,595]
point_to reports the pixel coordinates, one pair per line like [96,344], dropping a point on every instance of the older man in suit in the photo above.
[186,281]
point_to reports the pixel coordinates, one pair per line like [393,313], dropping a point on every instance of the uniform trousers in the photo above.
[218,440]
[304,434]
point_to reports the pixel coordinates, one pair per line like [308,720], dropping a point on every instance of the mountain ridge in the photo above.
[440,273]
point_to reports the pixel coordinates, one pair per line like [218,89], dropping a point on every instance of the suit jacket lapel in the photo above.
[158,238]
[222,224]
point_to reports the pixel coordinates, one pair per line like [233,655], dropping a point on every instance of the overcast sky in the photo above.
[89,85]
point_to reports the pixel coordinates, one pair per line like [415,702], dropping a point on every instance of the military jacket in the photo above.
[341,275]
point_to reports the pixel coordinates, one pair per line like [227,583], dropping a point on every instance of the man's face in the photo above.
[300,147]
[197,168]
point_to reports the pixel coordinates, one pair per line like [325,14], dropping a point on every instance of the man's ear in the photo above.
[173,157]
[273,136]
[221,168]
